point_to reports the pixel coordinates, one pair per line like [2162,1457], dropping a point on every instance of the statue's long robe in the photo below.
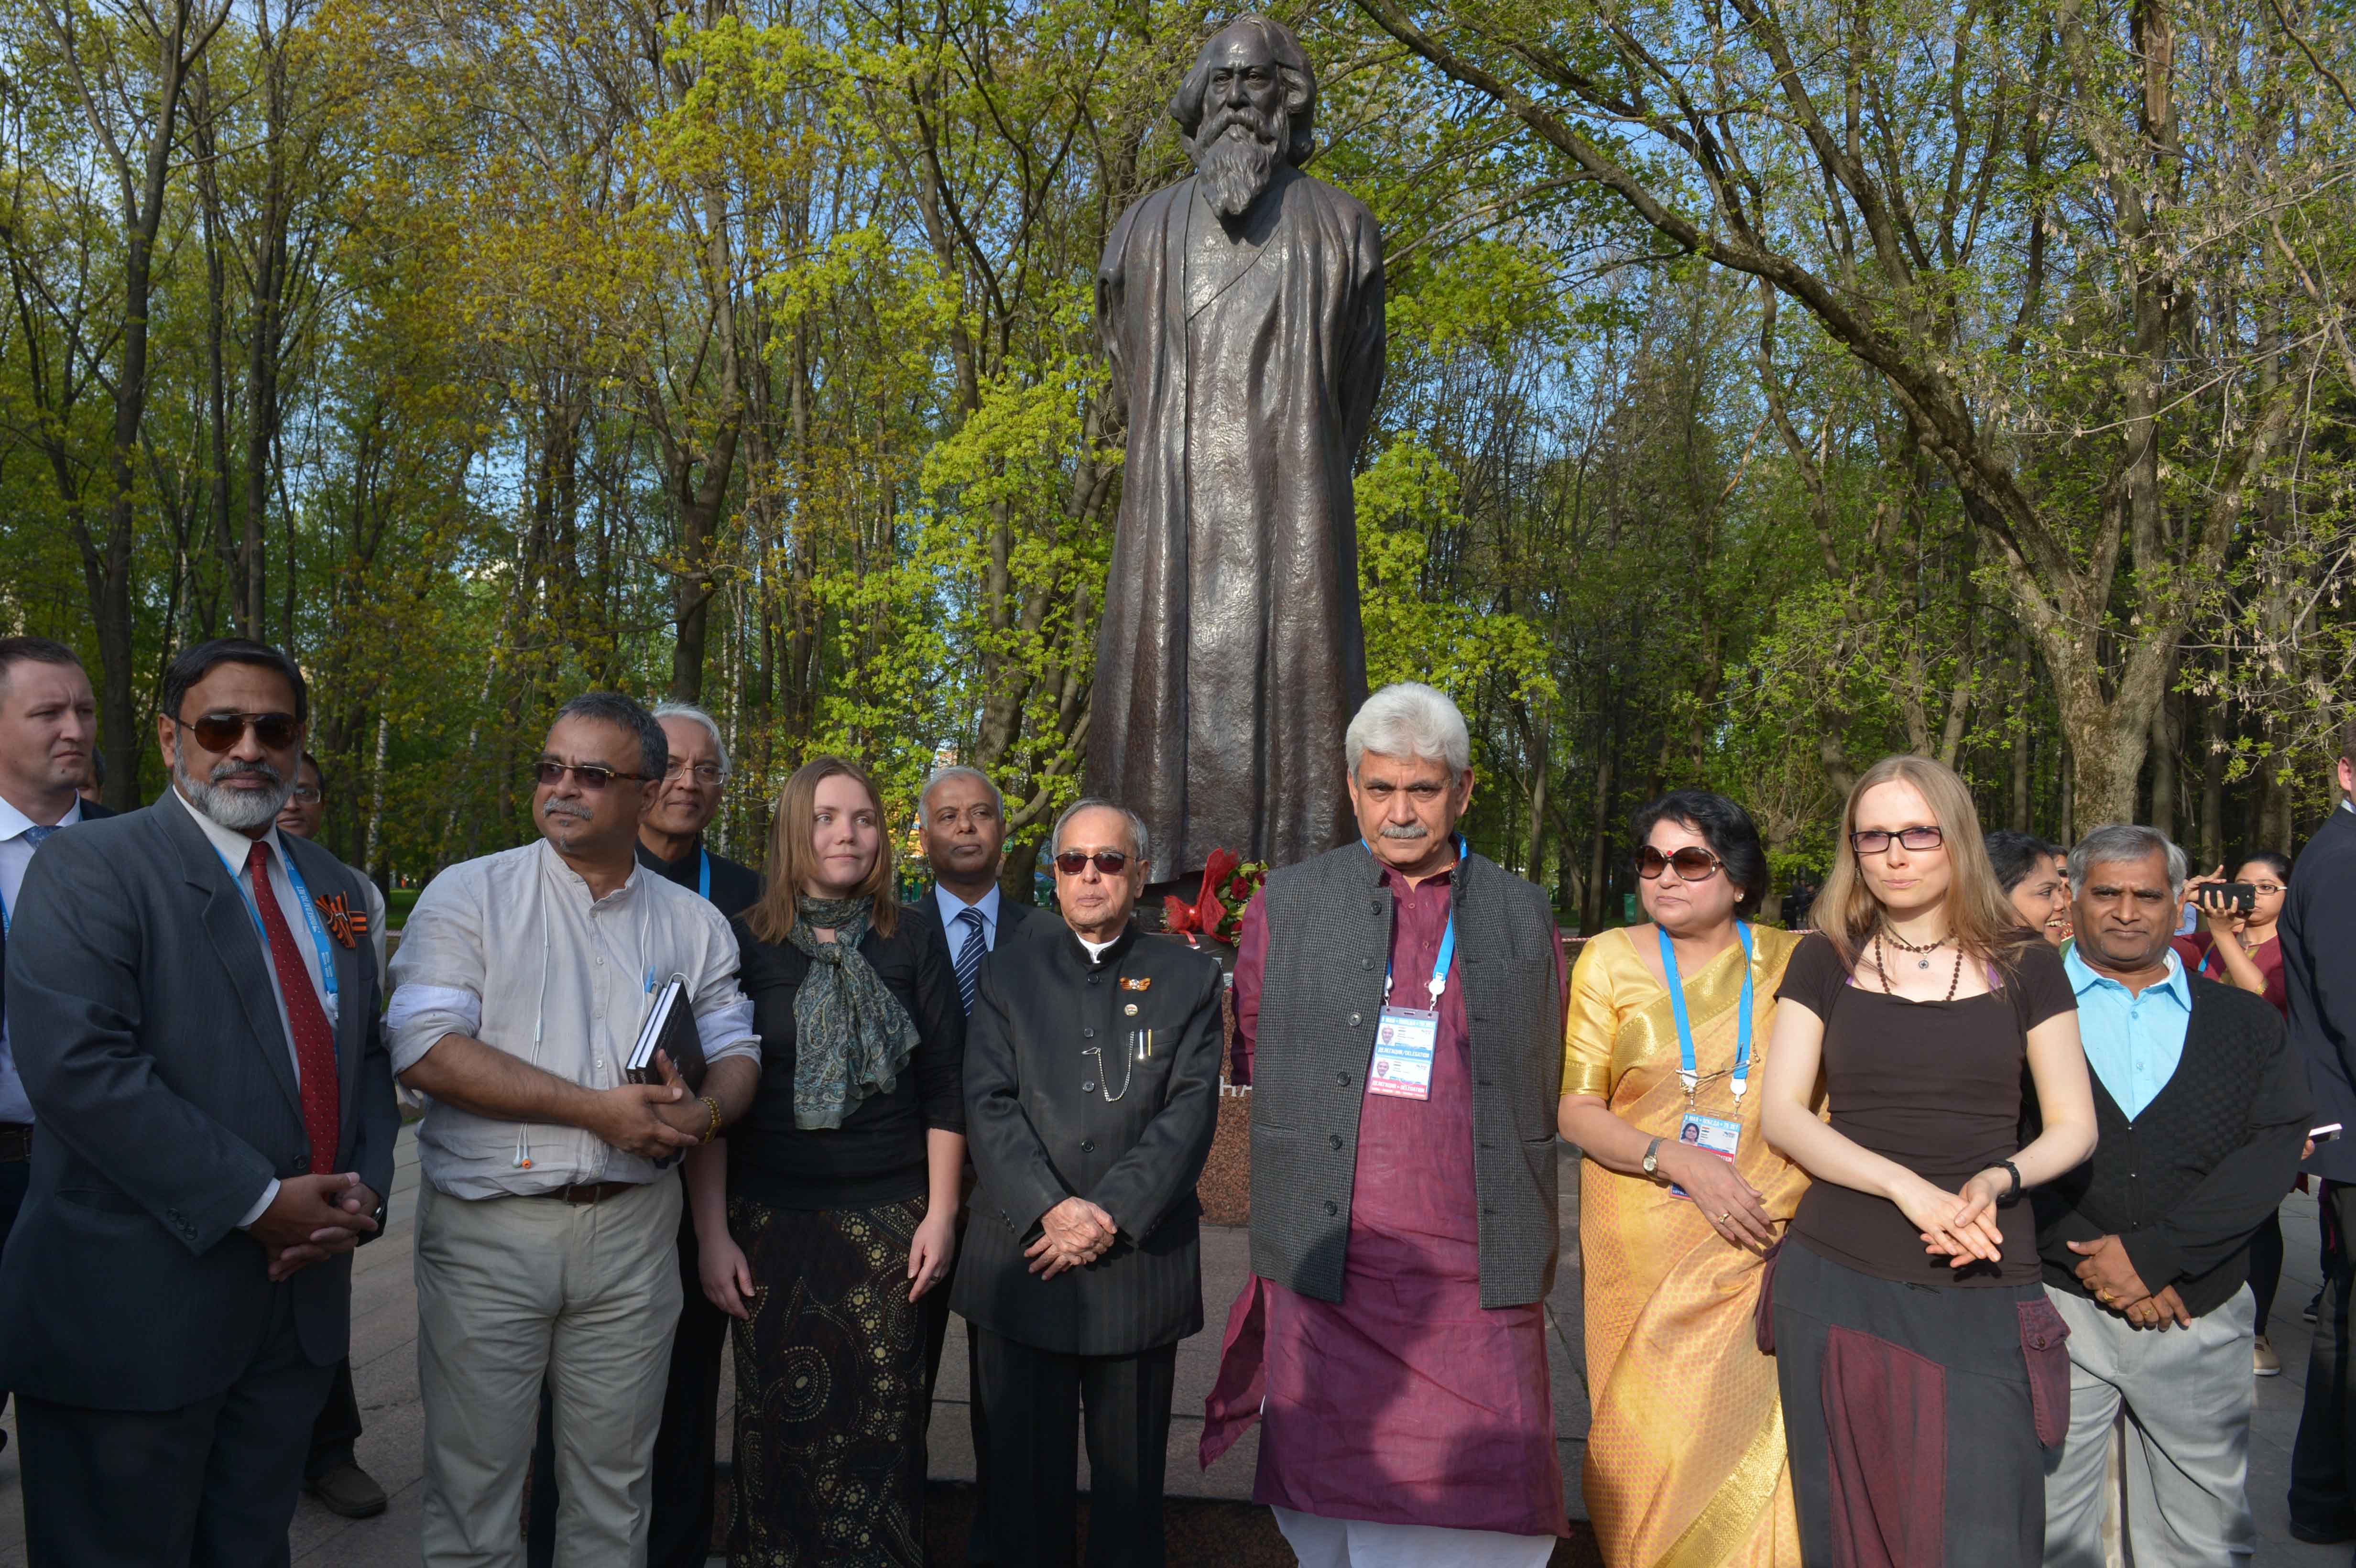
[1230,658]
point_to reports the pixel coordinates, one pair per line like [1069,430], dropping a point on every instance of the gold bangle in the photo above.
[713,1131]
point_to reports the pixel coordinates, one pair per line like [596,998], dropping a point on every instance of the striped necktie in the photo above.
[969,956]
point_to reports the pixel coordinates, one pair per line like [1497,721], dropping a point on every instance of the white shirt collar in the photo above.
[231,845]
[14,822]
[1095,949]
[951,906]
[555,864]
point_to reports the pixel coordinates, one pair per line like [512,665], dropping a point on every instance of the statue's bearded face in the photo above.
[1244,128]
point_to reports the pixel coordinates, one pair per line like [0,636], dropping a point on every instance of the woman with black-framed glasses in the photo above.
[1922,1368]
[1680,1196]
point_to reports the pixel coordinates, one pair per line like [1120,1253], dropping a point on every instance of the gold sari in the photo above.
[1686,1465]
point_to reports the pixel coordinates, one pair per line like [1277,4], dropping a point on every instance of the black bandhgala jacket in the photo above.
[1048,1026]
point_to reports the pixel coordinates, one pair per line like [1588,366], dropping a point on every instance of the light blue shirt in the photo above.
[952,906]
[2133,1042]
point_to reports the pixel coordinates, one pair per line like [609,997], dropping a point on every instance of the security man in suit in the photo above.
[48,724]
[1092,1075]
[2318,932]
[214,1124]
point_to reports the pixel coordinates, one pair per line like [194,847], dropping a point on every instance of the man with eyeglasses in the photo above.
[1091,1086]
[1398,1012]
[49,722]
[214,1131]
[671,845]
[548,1221]
[333,1474]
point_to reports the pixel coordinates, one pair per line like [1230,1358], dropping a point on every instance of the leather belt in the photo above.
[16,1142]
[588,1192]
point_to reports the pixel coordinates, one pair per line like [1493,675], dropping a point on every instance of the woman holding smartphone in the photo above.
[1922,1369]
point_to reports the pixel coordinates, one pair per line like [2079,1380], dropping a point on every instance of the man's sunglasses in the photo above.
[1112,862]
[591,776]
[1692,863]
[1876,841]
[221,732]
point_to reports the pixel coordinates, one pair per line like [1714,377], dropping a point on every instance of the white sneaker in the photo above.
[2267,1364]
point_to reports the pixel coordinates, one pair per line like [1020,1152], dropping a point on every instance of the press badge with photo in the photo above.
[1405,1040]
[1716,1134]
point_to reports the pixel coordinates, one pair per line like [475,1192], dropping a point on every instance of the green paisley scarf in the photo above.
[851,1035]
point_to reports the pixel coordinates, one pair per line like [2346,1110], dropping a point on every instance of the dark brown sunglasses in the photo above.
[1693,864]
[221,732]
[1112,862]
[593,776]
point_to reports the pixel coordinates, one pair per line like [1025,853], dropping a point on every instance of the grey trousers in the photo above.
[515,1291]
[2187,1393]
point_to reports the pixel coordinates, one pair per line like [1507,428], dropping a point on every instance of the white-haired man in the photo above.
[1091,1089]
[1399,1010]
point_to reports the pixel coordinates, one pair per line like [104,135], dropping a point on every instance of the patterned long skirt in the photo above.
[829,1390]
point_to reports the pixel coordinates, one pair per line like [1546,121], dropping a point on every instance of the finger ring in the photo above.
[1727,1215]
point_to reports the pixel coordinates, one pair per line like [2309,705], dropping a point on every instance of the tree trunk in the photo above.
[1598,846]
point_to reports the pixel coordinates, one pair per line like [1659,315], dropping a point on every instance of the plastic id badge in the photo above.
[1712,1132]
[1405,1039]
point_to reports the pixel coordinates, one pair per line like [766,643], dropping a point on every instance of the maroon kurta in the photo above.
[1406,1403]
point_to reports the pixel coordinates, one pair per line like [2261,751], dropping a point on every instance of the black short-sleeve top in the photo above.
[1936,1086]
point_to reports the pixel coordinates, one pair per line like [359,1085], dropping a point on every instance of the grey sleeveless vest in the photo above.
[1329,936]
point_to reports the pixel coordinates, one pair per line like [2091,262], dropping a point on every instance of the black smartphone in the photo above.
[2241,896]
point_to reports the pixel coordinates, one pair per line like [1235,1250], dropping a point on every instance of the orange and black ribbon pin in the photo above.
[345,924]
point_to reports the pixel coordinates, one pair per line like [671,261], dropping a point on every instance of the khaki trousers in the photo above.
[513,1289]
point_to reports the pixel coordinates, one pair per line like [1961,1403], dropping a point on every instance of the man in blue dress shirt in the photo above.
[2203,1107]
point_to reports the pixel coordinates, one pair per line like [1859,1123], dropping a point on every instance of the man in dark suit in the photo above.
[1092,1075]
[49,722]
[332,1474]
[685,1501]
[962,817]
[214,1125]
[2318,932]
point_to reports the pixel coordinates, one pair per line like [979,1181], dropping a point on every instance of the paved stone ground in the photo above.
[385,1373]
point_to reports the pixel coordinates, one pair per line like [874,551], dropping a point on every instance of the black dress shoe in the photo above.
[2321,1535]
[349,1490]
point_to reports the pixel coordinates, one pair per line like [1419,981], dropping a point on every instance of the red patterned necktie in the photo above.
[314,1039]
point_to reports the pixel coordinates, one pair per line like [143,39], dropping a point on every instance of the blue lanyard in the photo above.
[704,873]
[1438,981]
[310,917]
[1687,1069]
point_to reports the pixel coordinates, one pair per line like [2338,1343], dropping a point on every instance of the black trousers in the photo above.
[211,1485]
[2323,1459]
[14,1176]
[1032,1402]
[338,1428]
[681,1512]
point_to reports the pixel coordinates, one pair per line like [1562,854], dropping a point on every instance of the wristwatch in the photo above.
[1653,1158]
[2014,1196]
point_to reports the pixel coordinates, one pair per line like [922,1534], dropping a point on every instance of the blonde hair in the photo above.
[792,861]
[1979,916]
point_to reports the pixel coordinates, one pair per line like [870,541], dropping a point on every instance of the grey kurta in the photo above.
[1230,657]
